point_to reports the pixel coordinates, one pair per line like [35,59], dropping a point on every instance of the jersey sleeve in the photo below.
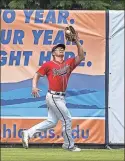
[71,62]
[43,69]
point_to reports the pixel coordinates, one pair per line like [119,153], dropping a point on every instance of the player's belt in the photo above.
[57,93]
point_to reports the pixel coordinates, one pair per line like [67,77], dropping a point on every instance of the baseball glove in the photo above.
[71,34]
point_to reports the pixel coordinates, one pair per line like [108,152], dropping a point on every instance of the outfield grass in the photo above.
[53,154]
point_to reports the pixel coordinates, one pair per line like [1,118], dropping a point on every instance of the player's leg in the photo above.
[64,115]
[42,126]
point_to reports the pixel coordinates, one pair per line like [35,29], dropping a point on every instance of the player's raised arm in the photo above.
[72,35]
[80,55]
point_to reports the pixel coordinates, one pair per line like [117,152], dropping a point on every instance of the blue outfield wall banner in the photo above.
[27,37]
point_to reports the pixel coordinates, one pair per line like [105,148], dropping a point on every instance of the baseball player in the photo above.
[58,72]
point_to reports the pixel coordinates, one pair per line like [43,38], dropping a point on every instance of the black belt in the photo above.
[57,93]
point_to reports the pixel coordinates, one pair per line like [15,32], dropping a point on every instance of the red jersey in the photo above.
[57,73]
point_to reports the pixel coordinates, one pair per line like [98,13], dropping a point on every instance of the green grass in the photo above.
[54,154]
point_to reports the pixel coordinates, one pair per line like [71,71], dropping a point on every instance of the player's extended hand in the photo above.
[71,34]
[35,92]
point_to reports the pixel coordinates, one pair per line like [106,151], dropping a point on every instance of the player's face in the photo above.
[59,52]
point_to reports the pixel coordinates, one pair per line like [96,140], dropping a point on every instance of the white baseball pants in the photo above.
[57,110]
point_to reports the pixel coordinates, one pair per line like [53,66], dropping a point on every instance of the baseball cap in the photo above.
[59,45]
